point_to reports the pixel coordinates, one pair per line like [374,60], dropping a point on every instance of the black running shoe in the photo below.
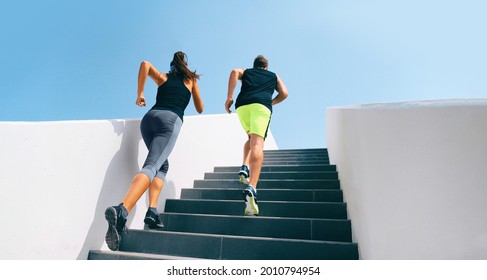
[152,220]
[116,226]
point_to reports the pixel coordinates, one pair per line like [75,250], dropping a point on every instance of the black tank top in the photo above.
[173,95]
[258,86]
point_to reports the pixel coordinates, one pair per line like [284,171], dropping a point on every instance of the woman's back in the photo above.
[173,95]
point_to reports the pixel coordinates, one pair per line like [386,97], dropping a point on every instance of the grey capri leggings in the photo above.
[159,129]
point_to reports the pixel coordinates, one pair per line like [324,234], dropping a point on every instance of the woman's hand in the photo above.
[140,101]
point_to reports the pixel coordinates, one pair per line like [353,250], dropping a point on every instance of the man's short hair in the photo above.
[260,62]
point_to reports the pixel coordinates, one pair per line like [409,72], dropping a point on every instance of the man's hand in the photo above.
[228,104]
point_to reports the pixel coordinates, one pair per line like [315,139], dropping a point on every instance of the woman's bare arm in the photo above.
[195,92]
[147,70]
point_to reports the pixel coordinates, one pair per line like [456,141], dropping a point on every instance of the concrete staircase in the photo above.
[302,216]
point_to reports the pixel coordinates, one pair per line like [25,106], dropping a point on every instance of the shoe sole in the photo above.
[152,224]
[112,237]
[244,177]
[251,207]
[241,172]
[244,180]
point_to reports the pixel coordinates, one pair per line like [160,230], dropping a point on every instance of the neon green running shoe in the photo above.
[244,174]
[250,198]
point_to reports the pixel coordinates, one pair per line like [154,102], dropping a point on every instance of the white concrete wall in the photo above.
[57,178]
[414,176]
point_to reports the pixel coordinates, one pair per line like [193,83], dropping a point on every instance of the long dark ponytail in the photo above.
[179,67]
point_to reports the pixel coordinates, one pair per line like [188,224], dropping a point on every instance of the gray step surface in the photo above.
[294,162]
[225,247]
[297,151]
[331,175]
[323,210]
[282,168]
[298,156]
[291,161]
[290,228]
[122,255]
[318,195]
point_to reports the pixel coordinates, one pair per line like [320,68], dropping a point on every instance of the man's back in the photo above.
[258,86]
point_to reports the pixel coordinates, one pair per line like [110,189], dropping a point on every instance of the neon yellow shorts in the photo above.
[255,118]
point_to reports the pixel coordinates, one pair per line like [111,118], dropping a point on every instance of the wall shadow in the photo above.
[120,171]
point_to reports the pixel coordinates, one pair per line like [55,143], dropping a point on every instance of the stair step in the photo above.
[291,153]
[282,168]
[297,156]
[297,151]
[276,161]
[293,162]
[275,249]
[265,194]
[323,210]
[277,175]
[122,255]
[302,216]
[309,229]
[271,184]
[213,246]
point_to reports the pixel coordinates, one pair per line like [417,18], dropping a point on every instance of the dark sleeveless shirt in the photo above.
[258,86]
[173,96]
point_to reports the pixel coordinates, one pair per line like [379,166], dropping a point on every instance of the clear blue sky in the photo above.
[78,60]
